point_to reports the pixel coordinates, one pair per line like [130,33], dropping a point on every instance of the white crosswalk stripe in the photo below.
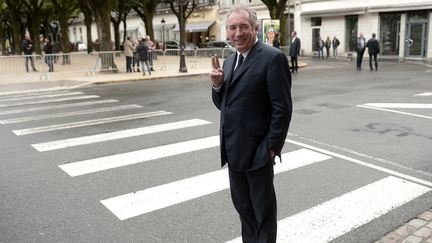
[148,200]
[71,142]
[140,156]
[65,114]
[84,97]
[53,107]
[340,215]
[93,122]
[40,96]
[20,95]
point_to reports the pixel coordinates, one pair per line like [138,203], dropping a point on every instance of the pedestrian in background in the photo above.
[335,44]
[294,51]
[276,42]
[143,54]
[49,57]
[152,55]
[321,45]
[360,49]
[135,59]
[327,46]
[27,46]
[128,52]
[373,49]
[252,92]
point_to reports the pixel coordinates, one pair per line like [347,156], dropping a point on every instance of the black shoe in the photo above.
[152,69]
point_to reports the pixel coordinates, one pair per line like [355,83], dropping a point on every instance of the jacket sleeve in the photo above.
[279,88]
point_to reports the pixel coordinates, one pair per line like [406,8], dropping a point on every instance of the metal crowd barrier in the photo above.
[15,66]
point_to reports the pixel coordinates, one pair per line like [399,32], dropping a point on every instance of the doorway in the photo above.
[416,35]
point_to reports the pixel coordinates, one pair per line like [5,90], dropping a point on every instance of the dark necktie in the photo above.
[240,61]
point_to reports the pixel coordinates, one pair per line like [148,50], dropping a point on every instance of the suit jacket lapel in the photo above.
[251,58]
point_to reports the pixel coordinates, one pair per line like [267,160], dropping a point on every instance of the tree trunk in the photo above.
[64,38]
[116,26]
[149,25]
[16,32]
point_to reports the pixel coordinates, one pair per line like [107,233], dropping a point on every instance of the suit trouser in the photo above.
[27,58]
[359,58]
[128,64]
[254,198]
[375,59]
[294,63]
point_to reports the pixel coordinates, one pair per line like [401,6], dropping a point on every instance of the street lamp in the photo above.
[182,23]
[163,34]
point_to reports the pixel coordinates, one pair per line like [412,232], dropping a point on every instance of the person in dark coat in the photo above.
[27,46]
[327,46]
[49,58]
[360,49]
[276,42]
[373,49]
[142,51]
[294,51]
[335,44]
[252,92]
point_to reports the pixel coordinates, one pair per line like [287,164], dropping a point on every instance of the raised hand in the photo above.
[216,74]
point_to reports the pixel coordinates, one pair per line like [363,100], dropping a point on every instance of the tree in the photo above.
[15,13]
[3,23]
[182,9]
[146,10]
[88,19]
[34,12]
[101,10]
[119,14]
[65,10]
[276,9]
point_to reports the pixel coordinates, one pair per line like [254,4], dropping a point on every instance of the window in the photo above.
[389,33]
[351,22]
[316,21]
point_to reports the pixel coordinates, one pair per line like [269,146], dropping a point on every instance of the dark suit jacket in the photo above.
[295,48]
[255,108]
[373,46]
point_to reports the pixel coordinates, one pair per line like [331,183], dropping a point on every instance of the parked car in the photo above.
[176,45]
[225,46]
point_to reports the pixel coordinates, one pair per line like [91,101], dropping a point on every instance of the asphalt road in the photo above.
[358,160]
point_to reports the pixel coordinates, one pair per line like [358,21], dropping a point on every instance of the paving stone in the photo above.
[403,230]
[391,238]
[429,225]
[426,216]
[423,232]
[412,239]
[428,240]
[417,223]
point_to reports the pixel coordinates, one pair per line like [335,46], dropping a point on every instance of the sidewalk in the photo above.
[417,230]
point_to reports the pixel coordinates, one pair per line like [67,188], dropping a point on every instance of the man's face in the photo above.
[240,31]
[292,34]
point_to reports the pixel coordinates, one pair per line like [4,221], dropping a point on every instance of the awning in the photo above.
[334,12]
[196,27]
[167,27]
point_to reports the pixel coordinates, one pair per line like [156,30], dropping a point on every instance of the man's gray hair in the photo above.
[243,8]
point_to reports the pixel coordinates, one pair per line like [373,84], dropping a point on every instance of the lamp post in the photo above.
[163,34]
[183,68]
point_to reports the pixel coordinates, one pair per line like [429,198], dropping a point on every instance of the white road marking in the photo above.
[340,215]
[71,142]
[139,156]
[53,107]
[400,105]
[137,203]
[424,94]
[393,111]
[66,114]
[32,91]
[41,96]
[88,123]
[49,101]
[356,161]
[33,94]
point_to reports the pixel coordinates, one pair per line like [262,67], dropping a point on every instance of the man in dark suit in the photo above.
[294,51]
[252,91]
[373,49]
[360,49]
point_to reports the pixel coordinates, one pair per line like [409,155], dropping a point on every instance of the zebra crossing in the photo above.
[322,222]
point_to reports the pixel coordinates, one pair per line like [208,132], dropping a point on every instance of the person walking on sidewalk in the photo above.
[294,51]
[135,59]
[321,45]
[142,51]
[373,49]
[252,92]
[49,58]
[27,46]
[152,55]
[335,44]
[327,46]
[360,49]
[128,52]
